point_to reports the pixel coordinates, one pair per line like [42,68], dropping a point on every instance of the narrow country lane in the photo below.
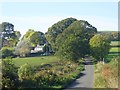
[86,78]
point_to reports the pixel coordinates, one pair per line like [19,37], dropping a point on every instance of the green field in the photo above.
[35,61]
[115,43]
[115,49]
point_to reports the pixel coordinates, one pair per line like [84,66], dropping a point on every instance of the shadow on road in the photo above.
[75,83]
[80,75]
[84,80]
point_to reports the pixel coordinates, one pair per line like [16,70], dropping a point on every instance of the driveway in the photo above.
[86,78]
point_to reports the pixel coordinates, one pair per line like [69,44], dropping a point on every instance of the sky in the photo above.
[42,15]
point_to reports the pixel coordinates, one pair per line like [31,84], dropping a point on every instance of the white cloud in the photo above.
[43,23]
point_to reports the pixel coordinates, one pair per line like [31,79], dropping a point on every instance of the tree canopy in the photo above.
[100,46]
[73,42]
[34,37]
[56,29]
[8,36]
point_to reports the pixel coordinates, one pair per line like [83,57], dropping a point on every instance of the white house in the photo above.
[38,48]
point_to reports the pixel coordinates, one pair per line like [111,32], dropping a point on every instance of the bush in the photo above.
[25,72]
[58,75]
[7,51]
[81,61]
[81,67]
[25,75]
[9,74]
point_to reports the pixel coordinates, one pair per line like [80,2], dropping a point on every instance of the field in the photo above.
[114,50]
[115,43]
[115,47]
[35,61]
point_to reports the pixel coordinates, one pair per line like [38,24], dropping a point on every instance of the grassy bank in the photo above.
[106,76]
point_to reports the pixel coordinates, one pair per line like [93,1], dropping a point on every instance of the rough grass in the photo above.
[106,76]
[100,82]
[35,61]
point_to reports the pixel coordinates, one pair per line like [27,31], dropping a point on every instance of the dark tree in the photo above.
[7,34]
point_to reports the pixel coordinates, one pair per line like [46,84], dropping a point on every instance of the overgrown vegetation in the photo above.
[9,73]
[57,74]
[106,76]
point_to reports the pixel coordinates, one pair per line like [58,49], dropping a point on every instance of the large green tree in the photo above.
[73,43]
[57,29]
[100,46]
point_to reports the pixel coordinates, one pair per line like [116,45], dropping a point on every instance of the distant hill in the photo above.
[107,31]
